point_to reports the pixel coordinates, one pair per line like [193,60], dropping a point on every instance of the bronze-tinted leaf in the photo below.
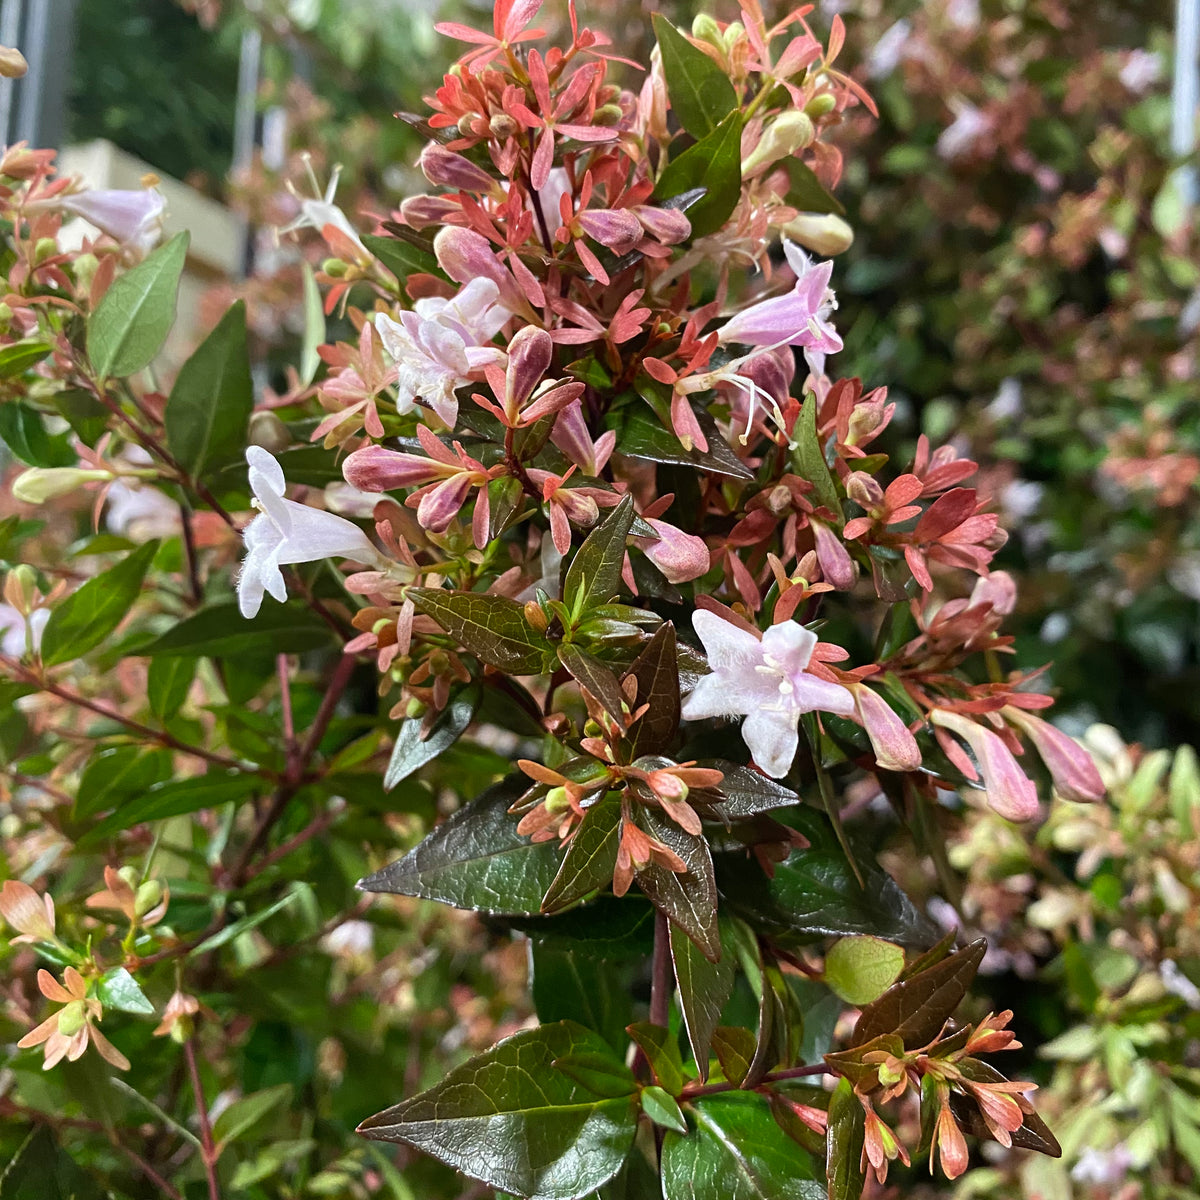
[493,628]
[689,900]
[592,674]
[657,686]
[591,856]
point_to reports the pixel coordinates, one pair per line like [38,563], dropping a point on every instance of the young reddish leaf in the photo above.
[931,957]
[1034,1133]
[689,900]
[844,1175]
[510,1118]
[594,575]
[476,859]
[704,989]
[493,628]
[700,92]
[591,857]
[661,1049]
[658,687]
[918,1007]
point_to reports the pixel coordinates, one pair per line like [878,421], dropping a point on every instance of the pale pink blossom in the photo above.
[133,218]
[1009,790]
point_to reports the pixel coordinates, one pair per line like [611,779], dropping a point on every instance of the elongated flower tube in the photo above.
[133,218]
[287,532]
[1009,790]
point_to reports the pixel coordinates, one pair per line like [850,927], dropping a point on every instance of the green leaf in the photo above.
[175,799]
[167,685]
[87,616]
[251,921]
[411,752]
[509,1119]
[737,1152]
[592,674]
[220,631]
[594,575]
[643,436]
[663,1109]
[400,257]
[493,628]
[734,1048]
[715,164]
[704,990]
[591,856]
[314,327]
[700,92]
[861,969]
[42,1170]
[114,774]
[133,319]
[843,1145]
[18,357]
[585,987]
[599,1073]
[916,1008]
[476,860]
[118,989]
[242,1115]
[657,676]
[746,793]
[809,462]
[689,900]
[23,432]
[213,397]
[84,413]
[661,1048]
[806,192]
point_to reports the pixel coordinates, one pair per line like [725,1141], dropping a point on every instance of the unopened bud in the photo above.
[20,589]
[466,124]
[607,114]
[39,484]
[789,132]
[734,32]
[335,268]
[6,314]
[130,875]
[864,490]
[706,29]
[415,708]
[181,1028]
[72,1019]
[12,62]
[535,616]
[447,169]
[825,233]
[85,270]
[147,897]
[501,126]
[557,800]
[820,104]
[44,248]
[269,432]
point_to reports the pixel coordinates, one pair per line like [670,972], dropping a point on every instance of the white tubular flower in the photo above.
[287,532]
[767,682]
[133,218]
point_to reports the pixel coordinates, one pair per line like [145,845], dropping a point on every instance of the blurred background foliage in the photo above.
[1025,279]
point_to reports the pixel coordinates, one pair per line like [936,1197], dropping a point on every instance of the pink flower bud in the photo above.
[681,557]
[895,747]
[529,355]
[465,255]
[666,225]
[441,504]
[377,469]
[447,169]
[1070,765]
[616,228]
[423,211]
[1009,790]
[837,566]
[864,490]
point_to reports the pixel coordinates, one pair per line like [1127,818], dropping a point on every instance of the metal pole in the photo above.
[10,30]
[1185,91]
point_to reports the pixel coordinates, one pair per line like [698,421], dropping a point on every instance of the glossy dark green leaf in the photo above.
[644,436]
[658,686]
[592,674]
[117,773]
[17,357]
[806,192]
[493,628]
[509,1119]
[700,92]
[220,631]
[133,319]
[715,164]
[916,1008]
[402,258]
[577,984]
[736,1151]
[412,751]
[704,990]
[746,793]
[689,899]
[476,860]
[89,614]
[118,989]
[42,1170]
[24,433]
[844,1175]
[599,1073]
[612,927]
[661,1048]
[734,1048]
[809,462]
[594,576]
[591,857]
[175,799]
[663,1109]
[213,396]
[84,413]
[167,684]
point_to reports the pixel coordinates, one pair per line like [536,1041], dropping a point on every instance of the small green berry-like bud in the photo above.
[706,29]
[820,104]
[131,875]
[269,432]
[72,1019]
[148,897]
[335,268]
[45,248]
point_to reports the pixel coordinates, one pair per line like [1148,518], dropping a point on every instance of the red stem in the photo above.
[207,1147]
